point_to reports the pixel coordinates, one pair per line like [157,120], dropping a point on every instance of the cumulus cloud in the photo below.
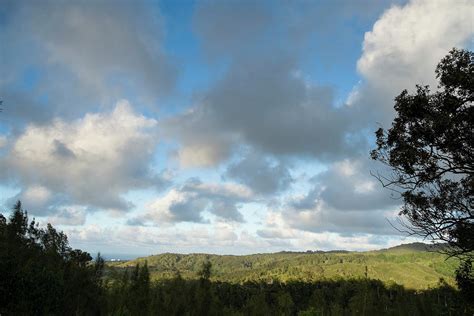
[264,105]
[36,197]
[290,238]
[201,144]
[221,238]
[400,51]
[188,202]
[408,41]
[404,47]
[323,218]
[86,162]
[348,185]
[261,100]
[343,199]
[275,233]
[260,173]
[80,51]
[71,215]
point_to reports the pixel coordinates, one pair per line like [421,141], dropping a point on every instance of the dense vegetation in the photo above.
[430,151]
[412,266]
[42,275]
[343,297]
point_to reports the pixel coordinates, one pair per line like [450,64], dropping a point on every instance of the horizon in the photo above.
[227,128]
[129,257]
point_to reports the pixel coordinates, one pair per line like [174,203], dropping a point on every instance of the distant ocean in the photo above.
[123,257]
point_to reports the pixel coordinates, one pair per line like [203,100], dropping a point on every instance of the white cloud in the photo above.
[274,235]
[90,52]
[69,215]
[94,45]
[90,161]
[345,198]
[188,202]
[407,42]
[293,228]
[346,167]
[326,219]
[403,49]
[349,185]
[36,196]
[257,102]
[200,155]
[176,206]
[262,174]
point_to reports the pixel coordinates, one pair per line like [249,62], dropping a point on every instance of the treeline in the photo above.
[41,275]
[343,297]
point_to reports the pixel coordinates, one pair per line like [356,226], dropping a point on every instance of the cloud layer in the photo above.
[267,154]
[81,52]
[90,161]
[187,203]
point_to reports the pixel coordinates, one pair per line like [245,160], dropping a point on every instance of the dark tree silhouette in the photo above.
[465,279]
[41,275]
[430,149]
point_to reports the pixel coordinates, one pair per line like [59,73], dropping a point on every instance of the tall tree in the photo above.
[430,149]
[41,275]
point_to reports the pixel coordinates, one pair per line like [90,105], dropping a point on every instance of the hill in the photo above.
[411,265]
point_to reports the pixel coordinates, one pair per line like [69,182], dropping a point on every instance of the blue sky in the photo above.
[141,127]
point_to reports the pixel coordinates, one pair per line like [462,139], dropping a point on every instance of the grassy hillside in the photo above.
[410,265]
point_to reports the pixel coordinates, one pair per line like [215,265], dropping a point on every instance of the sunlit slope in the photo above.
[408,265]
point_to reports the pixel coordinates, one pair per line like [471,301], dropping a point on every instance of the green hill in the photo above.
[412,266]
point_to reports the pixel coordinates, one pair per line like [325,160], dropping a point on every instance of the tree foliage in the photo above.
[465,279]
[40,274]
[430,149]
[326,297]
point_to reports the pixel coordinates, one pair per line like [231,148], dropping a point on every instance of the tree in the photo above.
[40,274]
[203,291]
[430,150]
[205,271]
[465,279]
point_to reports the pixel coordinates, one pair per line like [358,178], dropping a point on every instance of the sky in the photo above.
[227,127]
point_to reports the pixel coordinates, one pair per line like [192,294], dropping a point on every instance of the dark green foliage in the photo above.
[430,149]
[176,296]
[205,272]
[465,279]
[41,275]
[202,297]
[344,297]
[129,292]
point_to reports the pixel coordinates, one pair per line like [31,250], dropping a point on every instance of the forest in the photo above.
[43,275]
[416,266]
